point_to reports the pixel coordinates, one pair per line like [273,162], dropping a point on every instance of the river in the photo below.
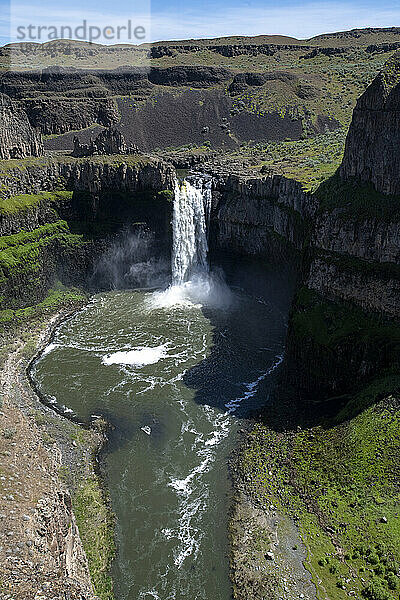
[174,371]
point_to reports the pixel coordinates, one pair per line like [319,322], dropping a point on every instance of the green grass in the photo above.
[339,482]
[97,533]
[329,323]
[55,299]
[309,161]
[23,202]
[22,253]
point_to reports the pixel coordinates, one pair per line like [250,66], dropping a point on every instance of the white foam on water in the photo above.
[188,536]
[149,594]
[202,290]
[182,486]
[191,490]
[252,387]
[139,357]
[49,349]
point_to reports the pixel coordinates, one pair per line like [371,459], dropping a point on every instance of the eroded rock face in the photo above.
[251,215]
[18,138]
[109,141]
[372,146]
[59,114]
[93,175]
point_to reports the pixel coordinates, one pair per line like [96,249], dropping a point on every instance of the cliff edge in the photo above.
[372,144]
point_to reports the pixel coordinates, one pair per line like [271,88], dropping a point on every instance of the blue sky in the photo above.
[178,19]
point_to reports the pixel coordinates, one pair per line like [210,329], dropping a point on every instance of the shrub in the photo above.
[392,566]
[9,433]
[379,569]
[333,569]
[373,559]
[376,591]
[393,581]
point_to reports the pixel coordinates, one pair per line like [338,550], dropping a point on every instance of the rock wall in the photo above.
[18,138]
[57,236]
[344,328]
[257,216]
[94,175]
[59,114]
[371,153]
[58,100]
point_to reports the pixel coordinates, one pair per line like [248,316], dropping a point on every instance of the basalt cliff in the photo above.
[18,138]
[58,212]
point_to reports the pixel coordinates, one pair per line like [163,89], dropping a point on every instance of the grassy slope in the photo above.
[96,527]
[21,257]
[340,482]
[21,202]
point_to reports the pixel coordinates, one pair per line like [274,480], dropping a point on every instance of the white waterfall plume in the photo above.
[192,283]
[192,206]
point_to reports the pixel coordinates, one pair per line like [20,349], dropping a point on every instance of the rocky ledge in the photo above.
[95,174]
[43,469]
[372,144]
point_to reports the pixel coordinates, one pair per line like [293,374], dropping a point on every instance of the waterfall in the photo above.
[192,207]
[192,282]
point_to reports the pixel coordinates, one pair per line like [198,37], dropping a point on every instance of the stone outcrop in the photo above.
[373,141]
[109,141]
[94,175]
[377,292]
[59,114]
[70,82]
[343,330]
[58,100]
[254,216]
[242,81]
[18,138]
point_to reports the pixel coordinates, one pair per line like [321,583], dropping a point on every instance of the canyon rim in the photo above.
[199,311]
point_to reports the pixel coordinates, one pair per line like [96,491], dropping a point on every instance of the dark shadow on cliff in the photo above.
[248,342]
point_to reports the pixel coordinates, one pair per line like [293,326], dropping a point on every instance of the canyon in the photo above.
[338,385]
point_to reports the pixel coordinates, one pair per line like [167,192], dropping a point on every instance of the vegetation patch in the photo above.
[22,256]
[96,528]
[23,202]
[357,200]
[340,482]
[309,161]
[330,323]
[55,299]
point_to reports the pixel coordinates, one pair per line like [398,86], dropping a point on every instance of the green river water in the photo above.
[174,373]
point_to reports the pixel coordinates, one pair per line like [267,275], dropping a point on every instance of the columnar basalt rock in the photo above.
[18,138]
[257,215]
[94,175]
[109,141]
